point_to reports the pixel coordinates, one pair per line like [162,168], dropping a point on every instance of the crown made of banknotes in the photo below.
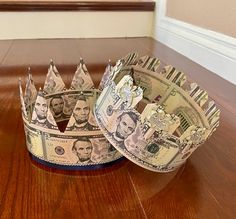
[60,128]
[152,115]
[142,109]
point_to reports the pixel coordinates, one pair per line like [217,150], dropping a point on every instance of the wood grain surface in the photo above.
[205,187]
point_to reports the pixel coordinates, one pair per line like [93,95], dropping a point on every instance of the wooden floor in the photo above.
[204,188]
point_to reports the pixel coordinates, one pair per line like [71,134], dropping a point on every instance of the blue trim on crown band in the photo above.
[74,167]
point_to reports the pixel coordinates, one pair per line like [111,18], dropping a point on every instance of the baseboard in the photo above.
[214,51]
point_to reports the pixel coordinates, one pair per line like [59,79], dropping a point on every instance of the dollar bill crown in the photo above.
[173,119]
[59,123]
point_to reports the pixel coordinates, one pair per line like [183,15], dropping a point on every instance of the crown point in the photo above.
[81,61]
[51,62]
[29,73]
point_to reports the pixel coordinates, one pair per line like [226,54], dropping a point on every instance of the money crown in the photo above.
[158,133]
[60,128]
[174,118]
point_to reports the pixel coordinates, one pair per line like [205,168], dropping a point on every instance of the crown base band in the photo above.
[48,164]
